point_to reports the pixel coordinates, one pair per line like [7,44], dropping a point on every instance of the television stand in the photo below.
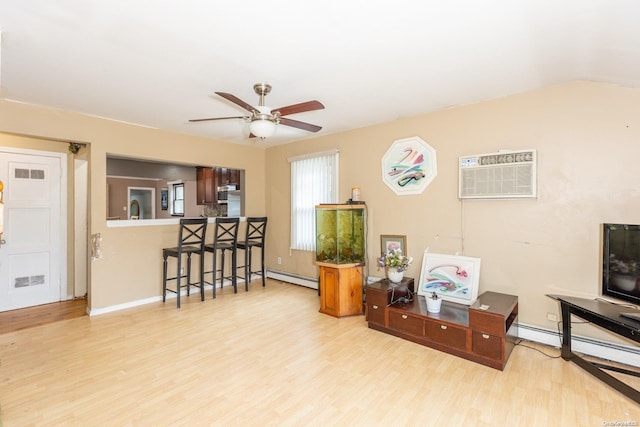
[606,315]
[484,332]
[631,315]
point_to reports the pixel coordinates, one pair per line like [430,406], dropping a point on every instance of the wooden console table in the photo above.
[606,315]
[484,332]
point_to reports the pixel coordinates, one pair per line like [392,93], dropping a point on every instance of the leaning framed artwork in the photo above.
[454,278]
[388,241]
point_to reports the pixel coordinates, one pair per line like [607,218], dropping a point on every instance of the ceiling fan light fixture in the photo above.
[263,120]
[263,128]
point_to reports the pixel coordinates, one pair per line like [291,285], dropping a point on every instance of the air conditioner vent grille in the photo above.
[498,175]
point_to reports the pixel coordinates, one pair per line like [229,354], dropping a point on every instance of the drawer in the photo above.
[487,345]
[375,312]
[448,335]
[489,323]
[381,299]
[406,323]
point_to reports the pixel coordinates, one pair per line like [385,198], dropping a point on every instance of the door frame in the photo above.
[150,193]
[64,291]
[81,226]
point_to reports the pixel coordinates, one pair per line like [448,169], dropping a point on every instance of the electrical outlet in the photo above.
[552,317]
[279,260]
[182,271]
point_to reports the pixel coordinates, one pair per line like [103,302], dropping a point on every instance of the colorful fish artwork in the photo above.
[409,165]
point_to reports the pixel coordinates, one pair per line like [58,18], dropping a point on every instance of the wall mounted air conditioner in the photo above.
[502,175]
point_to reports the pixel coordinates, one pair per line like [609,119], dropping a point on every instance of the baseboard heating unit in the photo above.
[293,278]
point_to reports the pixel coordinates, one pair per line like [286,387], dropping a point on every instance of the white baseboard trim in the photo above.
[601,349]
[137,303]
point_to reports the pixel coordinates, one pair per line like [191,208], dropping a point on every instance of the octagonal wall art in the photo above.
[409,166]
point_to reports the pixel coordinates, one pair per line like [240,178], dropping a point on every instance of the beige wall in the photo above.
[587,136]
[131,268]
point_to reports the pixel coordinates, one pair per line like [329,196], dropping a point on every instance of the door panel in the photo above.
[31,258]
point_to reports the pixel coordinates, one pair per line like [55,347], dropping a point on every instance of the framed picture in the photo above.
[387,240]
[409,166]
[164,199]
[454,278]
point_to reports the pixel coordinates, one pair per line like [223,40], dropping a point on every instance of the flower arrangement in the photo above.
[394,258]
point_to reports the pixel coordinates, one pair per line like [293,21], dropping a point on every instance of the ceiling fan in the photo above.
[263,120]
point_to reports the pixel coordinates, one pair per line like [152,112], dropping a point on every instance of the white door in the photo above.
[31,256]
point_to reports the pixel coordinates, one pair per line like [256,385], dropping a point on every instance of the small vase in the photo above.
[433,305]
[394,275]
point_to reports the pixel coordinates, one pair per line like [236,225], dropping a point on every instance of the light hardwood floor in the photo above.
[269,358]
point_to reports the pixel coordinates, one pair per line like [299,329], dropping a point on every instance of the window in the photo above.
[314,180]
[176,196]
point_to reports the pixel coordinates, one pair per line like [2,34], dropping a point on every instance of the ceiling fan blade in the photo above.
[300,125]
[238,101]
[298,108]
[219,118]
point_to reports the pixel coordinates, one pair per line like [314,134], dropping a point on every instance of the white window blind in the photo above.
[314,180]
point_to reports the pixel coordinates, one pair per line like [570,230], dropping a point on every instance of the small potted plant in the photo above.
[433,303]
[394,262]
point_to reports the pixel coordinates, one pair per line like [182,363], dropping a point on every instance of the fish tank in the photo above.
[340,234]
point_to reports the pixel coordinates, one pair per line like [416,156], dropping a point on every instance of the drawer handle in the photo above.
[404,316]
[485,336]
[443,326]
[375,307]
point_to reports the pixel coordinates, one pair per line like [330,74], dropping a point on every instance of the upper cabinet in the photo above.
[206,186]
[234,177]
[209,179]
[226,176]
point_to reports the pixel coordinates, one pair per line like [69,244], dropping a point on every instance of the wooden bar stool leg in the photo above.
[215,262]
[222,268]
[234,276]
[164,278]
[264,282]
[178,278]
[202,277]
[247,270]
[188,274]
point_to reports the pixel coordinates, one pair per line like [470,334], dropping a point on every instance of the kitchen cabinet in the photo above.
[209,179]
[234,177]
[222,176]
[206,186]
[227,176]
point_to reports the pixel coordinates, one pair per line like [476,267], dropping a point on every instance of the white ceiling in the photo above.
[157,63]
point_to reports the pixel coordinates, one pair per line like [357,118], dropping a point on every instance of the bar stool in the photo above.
[225,239]
[190,241]
[254,238]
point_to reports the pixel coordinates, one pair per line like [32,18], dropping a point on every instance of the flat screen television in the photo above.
[621,262]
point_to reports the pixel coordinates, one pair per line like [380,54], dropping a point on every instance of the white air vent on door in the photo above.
[506,174]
